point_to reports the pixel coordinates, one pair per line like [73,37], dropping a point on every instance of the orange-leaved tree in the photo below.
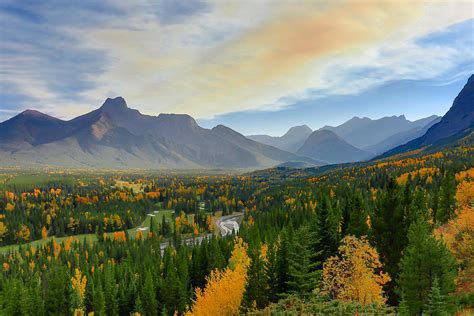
[458,235]
[354,275]
[224,289]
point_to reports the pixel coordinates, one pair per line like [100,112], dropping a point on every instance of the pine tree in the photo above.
[256,289]
[282,274]
[149,303]
[357,216]
[99,300]
[57,292]
[447,202]
[138,306]
[324,228]
[303,267]
[389,233]
[110,291]
[436,304]
[403,309]
[424,259]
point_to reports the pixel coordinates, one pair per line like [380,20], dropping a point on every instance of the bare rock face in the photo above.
[455,124]
[115,136]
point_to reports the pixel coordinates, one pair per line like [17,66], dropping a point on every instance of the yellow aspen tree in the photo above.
[354,275]
[78,284]
[44,233]
[224,289]
[3,230]
[24,233]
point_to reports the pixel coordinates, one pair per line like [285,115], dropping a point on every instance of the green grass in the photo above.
[92,237]
[36,243]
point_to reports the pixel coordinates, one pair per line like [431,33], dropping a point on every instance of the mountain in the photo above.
[364,132]
[325,145]
[115,136]
[456,124]
[401,138]
[265,150]
[291,141]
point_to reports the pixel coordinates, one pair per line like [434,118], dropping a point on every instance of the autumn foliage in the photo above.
[354,275]
[224,289]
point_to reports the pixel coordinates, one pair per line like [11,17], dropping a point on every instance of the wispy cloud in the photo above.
[215,57]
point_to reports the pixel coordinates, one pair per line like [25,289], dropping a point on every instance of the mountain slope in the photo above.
[263,150]
[325,145]
[115,136]
[403,137]
[31,127]
[365,132]
[291,141]
[454,125]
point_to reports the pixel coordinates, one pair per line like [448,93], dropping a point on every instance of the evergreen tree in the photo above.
[447,202]
[98,299]
[138,306]
[436,304]
[256,289]
[57,291]
[149,303]
[424,259]
[389,233]
[357,216]
[282,263]
[110,291]
[303,267]
[324,228]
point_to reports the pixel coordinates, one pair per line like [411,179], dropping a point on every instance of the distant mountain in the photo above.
[291,141]
[115,136]
[404,137]
[457,123]
[364,132]
[267,151]
[325,145]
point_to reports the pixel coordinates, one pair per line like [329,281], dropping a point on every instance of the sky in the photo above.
[257,66]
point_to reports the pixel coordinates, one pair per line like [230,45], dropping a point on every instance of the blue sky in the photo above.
[256,66]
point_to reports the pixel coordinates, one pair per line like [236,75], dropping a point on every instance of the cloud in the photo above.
[210,58]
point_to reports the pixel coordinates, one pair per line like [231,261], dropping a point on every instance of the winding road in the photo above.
[229,224]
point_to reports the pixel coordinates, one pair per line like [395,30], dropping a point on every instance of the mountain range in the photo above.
[115,136]
[355,140]
[291,141]
[456,125]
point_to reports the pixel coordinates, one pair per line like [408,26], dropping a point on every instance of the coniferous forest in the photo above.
[392,236]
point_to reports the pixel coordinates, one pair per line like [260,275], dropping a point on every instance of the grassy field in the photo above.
[92,237]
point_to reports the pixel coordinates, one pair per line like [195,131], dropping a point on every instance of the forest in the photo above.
[393,236]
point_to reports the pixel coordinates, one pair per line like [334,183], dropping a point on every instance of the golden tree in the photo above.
[354,275]
[44,233]
[3,230]
[465,193]
[224,289]
[24,233]
[78,283]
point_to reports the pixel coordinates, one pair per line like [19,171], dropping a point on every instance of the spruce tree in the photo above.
[99,299]
[282,263]
[436,303]
[324,229]
[256,289]
[389,233]
[357,216]
[447,202]
[303,267]
[149,303]
[424,260]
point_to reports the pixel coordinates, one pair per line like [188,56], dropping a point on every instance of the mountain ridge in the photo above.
[115,135]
